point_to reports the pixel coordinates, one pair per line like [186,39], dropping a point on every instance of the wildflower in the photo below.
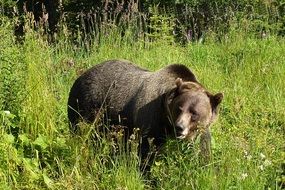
[132,137]
[7,112]
[262,156]
[244,175]
[261,167]
[157,163]
[247,155]
[267,163]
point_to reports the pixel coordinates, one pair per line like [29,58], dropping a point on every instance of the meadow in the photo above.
[37,150]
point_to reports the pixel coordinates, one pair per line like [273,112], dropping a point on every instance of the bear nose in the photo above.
[179,129]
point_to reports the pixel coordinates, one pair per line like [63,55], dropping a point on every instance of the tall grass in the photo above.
[37,151]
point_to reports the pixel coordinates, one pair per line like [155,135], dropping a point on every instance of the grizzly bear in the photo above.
[167,103]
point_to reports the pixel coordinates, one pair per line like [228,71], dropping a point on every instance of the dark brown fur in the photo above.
[159,103]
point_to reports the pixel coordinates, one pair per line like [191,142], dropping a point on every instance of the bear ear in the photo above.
[216,99]
[178,82]
[187,85]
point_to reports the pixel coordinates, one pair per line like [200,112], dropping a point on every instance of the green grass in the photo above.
[37,151]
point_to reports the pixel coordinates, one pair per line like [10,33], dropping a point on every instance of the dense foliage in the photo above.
[187,20]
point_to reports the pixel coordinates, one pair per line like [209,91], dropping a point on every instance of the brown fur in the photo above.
[160,103]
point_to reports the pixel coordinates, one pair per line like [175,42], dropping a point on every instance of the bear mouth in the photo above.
[181,137]
[186,134]
[181,133]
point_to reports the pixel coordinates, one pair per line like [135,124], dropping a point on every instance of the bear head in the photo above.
[191,108]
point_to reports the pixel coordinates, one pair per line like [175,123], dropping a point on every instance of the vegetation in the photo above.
[37,150]
[190,20]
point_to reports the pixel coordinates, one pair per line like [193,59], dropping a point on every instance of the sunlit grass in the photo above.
[37,150]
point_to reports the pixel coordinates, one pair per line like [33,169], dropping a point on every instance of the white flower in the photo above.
[261,167]
[7,112]
[262,156]
[249,157]
[244,175]
[267,163]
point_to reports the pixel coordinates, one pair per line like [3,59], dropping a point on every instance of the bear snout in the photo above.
[181,131]
[184,131]
[178,130]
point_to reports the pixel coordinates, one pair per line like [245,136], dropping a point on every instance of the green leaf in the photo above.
[47,181]
[24,139]
[8,138]
[41,141]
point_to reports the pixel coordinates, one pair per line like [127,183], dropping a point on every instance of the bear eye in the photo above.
[178,110]
[194,116]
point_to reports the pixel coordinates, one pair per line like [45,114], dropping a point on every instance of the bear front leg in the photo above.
[148,151]
[145,156]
